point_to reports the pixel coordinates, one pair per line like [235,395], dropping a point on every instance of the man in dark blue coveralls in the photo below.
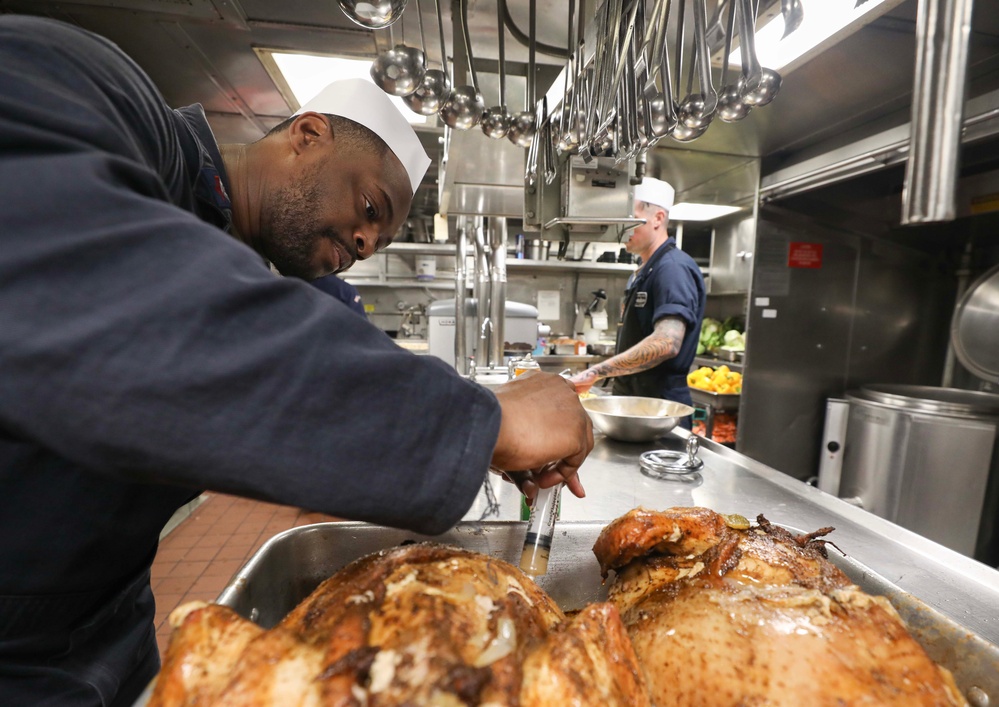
[148,352]
[664,306]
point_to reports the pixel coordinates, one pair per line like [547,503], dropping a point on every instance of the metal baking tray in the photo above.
[292,564]
[719,402]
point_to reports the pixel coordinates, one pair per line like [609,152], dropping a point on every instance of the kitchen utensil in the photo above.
[568,124]
[634,419]
[974,331]
[698,109]
[373,14]
[540,531]
[730,105]
[464,108]
[793,15]
[668,465]
[682,132]
[496,120]
[400,70]
[658,109]
[759,85]
[524,126]
[435,87]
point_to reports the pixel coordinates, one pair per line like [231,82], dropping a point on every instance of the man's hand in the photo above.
[584,380]
[544,428]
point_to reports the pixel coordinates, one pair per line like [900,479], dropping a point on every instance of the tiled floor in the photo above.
[198,558]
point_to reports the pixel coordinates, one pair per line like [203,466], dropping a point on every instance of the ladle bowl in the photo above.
[429,96]
[683,133]
[694,111]
[496,122]
[399,71]
[764,91]
[661,122]
[522,129]
[568,138]
[463,109]
[373,14]
[730,105]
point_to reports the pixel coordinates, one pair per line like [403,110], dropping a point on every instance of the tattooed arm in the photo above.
[662,344]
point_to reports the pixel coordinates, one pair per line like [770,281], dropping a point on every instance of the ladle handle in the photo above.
[423,37]
[729,30]
[463,10]
[703,60]
[502,53]
[440,30]
[752,72]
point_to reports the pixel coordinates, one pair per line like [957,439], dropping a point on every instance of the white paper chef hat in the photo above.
[363,102]
[655,191]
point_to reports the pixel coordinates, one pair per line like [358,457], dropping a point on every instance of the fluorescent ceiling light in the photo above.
[308,74]
[822,21]
[688,211]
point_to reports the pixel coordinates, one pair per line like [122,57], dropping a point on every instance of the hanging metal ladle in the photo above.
[496,120]
[464,107]
[684,133]
[435,87]
[523,125]
[659,109]
[399,70]
[373,14]
[730,105]
[759,85]
[697,109]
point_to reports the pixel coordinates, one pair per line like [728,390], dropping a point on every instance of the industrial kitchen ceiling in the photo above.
[207,51]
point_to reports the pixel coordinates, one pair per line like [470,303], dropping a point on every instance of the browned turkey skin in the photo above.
[723,614]
[417,625]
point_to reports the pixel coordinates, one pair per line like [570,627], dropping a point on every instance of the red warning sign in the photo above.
[804,255]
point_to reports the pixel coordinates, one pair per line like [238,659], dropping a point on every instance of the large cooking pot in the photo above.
[975,328]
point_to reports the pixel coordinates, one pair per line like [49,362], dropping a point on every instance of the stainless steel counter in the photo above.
[957,586]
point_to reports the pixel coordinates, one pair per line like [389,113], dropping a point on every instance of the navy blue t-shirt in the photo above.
[670,284]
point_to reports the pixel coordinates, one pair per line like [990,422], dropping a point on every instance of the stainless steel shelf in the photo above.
[421,249]
[569,266]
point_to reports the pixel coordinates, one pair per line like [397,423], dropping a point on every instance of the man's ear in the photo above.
[309,130]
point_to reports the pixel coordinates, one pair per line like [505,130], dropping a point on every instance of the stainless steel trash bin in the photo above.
[923,457]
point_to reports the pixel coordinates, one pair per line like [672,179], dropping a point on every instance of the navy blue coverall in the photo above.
[670,284]
[145,354]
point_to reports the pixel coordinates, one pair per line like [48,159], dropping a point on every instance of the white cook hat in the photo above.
[364,103]
[655,191]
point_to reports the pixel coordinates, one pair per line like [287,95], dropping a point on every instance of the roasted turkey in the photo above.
[416,625]
[722,613]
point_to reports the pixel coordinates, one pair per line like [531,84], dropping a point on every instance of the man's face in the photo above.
[641,236]
[337,206]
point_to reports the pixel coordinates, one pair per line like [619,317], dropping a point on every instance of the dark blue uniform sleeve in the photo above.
[139,342]
[342,291]
[675,292]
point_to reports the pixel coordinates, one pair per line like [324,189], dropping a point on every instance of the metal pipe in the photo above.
[482,284]
[460,287]
[497,277]
[943,28]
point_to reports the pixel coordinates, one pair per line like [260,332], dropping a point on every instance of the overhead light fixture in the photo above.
[824,23]
[307,74]
[689,211]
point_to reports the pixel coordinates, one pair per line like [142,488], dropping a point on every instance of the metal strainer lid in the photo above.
[974,331]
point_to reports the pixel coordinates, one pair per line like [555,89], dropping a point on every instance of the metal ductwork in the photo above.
[943,28]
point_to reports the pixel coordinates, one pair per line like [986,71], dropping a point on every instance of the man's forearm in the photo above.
[661,345]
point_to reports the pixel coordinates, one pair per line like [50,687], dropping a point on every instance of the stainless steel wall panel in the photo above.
[798,347]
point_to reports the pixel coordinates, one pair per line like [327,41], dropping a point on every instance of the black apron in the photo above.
[653,383]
